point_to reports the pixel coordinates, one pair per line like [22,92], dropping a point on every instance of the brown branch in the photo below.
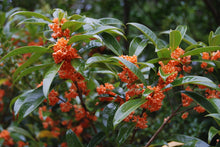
[162,126]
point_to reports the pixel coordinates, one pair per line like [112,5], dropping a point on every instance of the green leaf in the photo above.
[48,78]
[198,80]
[3,81]
[28,102]
[211,34]
[25,49]
[217,31]
[182,29]
[108,115]
[189,40]
[96,139]
[147,32]
[163,75]
[124,133]
[110,21]
[34,21]
[30,70]
[189,141]
[101,29]
[31,60]
[31,14]
[137,45]
[201,100]
[83,37]
[73,25]
[96,59]
[164,53]
[192,47]
[20,131]
[72,139]
[212,132]
[156,60]
[111,43]
[2,19]
[215,103]
[133,69]
[201,50]
[12,102]
[214,115]
[215,41]
[175,39]
[125,109]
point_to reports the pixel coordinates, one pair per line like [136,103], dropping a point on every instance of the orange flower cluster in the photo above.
[8,141]
[206,56]
[63,51]
[2,93]
[57,28]
[22,144]
[139,120]
[186,100]
[52,96]
[126,75]
[185,115]
[155,99]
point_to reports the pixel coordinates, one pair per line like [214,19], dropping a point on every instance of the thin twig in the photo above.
[162,126]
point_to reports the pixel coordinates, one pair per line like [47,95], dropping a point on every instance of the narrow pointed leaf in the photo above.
[147,32]
[215,103]
[189,40]
[212,132]
[201,100]
[25,49]
[83,37]
[96,59]
[31,60]
[175,39]
[73,25]
[110,21]
[30,70]
[125,109]
[214,115]
[215,41]
[111,43]
[21,131]
[163,75]
[198,80]
[201,50]
[34,21]
[28,102]
[31,14]
[72,139]
[133,69]
[182,29]
[137,45]
[48,78]
[96,139]
[101,29]
[124,133]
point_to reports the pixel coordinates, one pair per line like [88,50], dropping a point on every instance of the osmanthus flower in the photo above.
[185,115]
[8,141]
[53,99]
[207,56]
[186,100]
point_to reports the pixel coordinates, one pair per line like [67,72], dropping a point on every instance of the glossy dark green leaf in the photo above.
[175,39]
[31,14]
[215,41]
[48,78]
[164,53]
[20,131]
[111,43]
[96,139]
[75,17]
[198,80]
[215,103]
[25,49]
[30,70]
[34,21]
[163,75]
[201,50]
[72,139]
[96,59]
[101,29]
[108,115]
[217,31]
[110,21]
[147,32]
[28,102]
[83,37]
[133,69]
[214,115]
[28,62]
[212,132]
[137,45]
[201,100]
[189,40]
[182,29]
[156,60]
[125,109]
[2,18]
[124,133]
[73,25]
[193,46]
[211,34]
[189,141]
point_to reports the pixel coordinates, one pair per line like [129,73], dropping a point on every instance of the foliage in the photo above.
[91,92]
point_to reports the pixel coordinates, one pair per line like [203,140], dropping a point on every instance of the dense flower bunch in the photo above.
[8,141]
[212,57]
